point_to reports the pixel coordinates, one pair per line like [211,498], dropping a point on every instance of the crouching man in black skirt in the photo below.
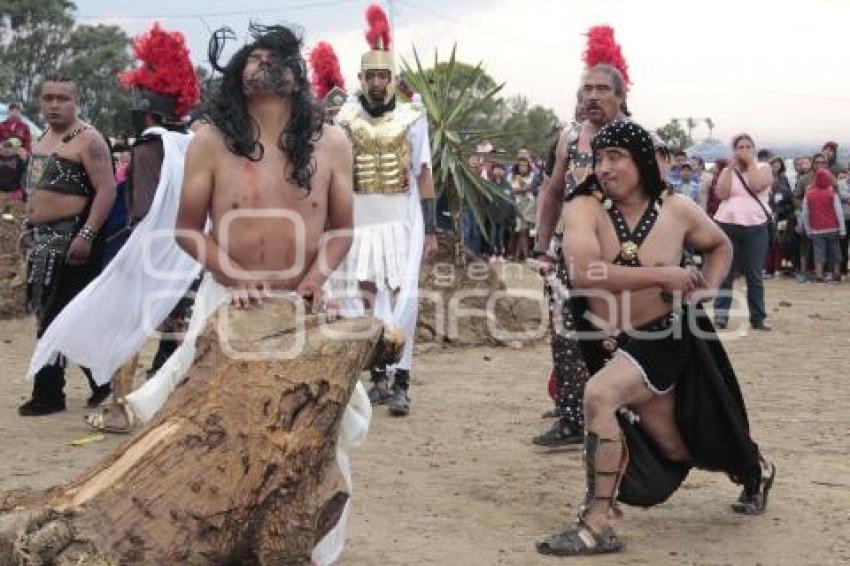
[663,397]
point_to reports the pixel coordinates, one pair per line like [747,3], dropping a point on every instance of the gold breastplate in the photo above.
[381,150]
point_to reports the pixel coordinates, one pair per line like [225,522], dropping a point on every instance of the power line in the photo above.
[549,46]
[747,88]
[450,18]
[303,6]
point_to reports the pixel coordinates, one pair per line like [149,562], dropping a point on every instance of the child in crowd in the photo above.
[823,222]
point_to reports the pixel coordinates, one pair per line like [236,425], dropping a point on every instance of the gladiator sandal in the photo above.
[753,498]
[115,419]
[592,445]
[580,539]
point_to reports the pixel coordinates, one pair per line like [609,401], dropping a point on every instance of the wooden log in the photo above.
[239,466]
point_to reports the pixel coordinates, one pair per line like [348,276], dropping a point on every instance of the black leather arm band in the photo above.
[429,215]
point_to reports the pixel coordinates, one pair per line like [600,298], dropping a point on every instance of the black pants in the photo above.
[174,326]
[499,231]
[843,243]
[49,383]
[568,362]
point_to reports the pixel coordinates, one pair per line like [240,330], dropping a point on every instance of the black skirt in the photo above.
[710,411]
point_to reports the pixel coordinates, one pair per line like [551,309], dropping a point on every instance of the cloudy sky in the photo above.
[773,68]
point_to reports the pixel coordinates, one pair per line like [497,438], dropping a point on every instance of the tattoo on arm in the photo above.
[99,152]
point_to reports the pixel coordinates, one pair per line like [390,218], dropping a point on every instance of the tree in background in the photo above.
[453,102]
[710,125]
[38,38]
[462,79]
[674,135]
[33,40]
[464,110]
[510,123]
[93,57]
[691,124]
[209,82]
[532,127]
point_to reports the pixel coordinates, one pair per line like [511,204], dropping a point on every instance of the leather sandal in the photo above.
[579,539]
[99,421]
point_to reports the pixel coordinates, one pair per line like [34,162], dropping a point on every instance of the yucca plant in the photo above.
[449,99]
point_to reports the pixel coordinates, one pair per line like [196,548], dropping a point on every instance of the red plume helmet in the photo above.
[326,73]
[378,34]
[602,49]
[166,68]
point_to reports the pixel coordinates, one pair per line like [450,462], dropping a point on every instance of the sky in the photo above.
[774,69]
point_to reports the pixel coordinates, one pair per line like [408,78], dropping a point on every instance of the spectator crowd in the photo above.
[809,216]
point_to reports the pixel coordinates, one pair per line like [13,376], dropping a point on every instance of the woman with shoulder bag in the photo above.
[744,215]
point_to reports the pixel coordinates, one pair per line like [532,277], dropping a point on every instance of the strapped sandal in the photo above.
[592,443]
[580,540]
[755,503]
[99,421]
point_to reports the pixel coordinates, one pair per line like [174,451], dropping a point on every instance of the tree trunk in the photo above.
[239,467]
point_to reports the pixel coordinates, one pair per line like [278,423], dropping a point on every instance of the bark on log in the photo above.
[239,467]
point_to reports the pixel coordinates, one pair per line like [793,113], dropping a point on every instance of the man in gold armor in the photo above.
[394,209]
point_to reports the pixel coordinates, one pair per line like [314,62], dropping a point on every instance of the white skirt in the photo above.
[381,240]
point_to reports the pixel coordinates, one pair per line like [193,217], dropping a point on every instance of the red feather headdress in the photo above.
[325,66]
[165,69]
[378,34]
[602,49]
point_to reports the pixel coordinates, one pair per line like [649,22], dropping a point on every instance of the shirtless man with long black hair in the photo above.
[271,176]
[274,181]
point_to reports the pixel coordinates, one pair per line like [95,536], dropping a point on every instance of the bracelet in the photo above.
[87,233]
[539,252]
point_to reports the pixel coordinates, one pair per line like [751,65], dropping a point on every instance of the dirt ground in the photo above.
[458,483]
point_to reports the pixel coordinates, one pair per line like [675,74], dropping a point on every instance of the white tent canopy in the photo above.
[710,150]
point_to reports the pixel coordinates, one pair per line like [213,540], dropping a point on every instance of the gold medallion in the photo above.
[629,250]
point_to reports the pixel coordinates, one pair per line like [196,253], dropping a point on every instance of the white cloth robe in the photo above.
[109,321]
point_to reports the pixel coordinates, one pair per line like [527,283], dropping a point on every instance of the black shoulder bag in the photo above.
[771,219]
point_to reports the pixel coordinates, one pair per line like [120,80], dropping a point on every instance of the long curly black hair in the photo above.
[228,107]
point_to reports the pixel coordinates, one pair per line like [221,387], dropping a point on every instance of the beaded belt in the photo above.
[47,258]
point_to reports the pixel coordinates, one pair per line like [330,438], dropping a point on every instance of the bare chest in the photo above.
[661,245]
[583,143]
[244,185]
